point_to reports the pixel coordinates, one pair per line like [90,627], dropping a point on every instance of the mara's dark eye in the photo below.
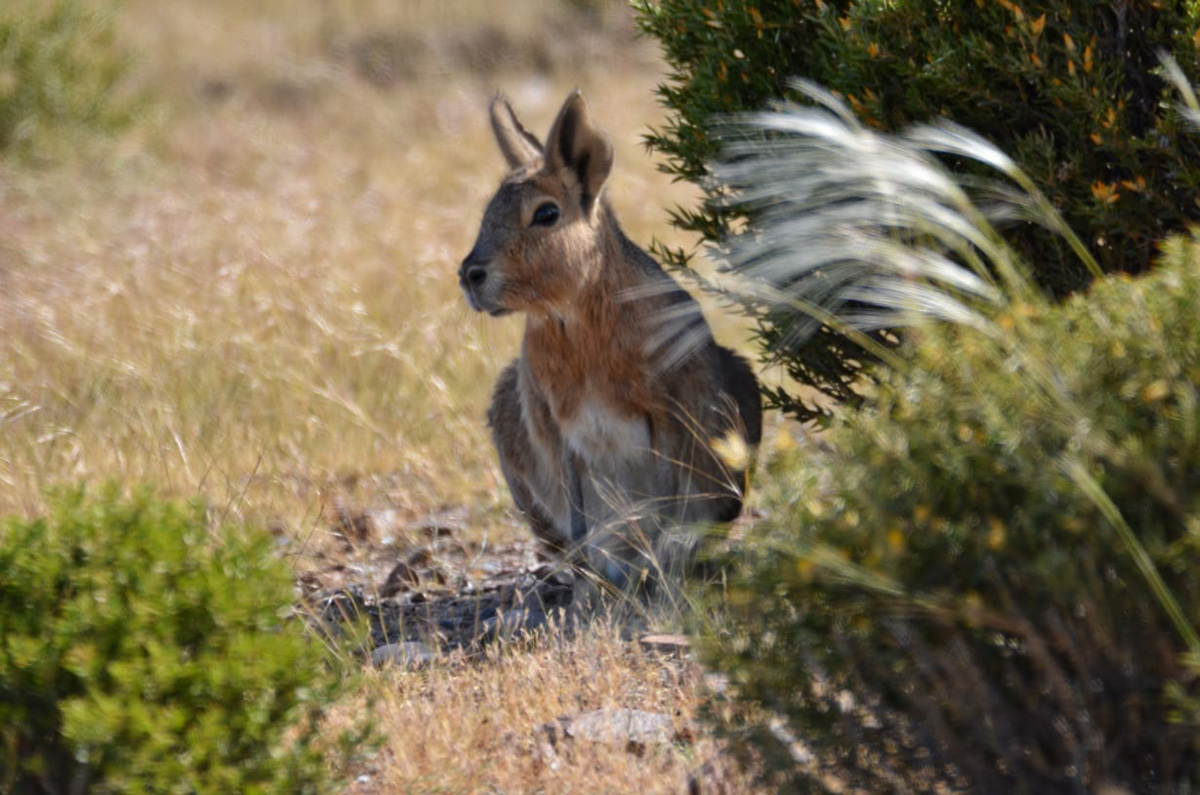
[545,215]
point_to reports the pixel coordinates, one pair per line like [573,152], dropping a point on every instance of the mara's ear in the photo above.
[575,146]
[518,145]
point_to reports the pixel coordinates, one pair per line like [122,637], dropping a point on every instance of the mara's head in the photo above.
[538,243]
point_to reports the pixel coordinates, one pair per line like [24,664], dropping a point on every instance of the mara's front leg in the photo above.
[533,475]
[623,512]
[573,472]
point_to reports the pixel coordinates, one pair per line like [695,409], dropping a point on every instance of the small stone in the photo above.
[633,728]
[420,557]
[410,655]
[513,623]
[402,578]
[667,645]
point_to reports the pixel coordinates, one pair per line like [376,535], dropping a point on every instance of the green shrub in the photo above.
[60,68]
[998,585]
[141,653]
[1069,88]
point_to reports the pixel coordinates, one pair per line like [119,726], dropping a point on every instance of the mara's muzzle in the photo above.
[473,278]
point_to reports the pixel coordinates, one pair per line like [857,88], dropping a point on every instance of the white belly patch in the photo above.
[608,441]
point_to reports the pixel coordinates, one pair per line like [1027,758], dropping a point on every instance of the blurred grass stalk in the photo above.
[863,232]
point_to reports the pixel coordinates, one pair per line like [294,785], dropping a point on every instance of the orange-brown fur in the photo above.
[603,423]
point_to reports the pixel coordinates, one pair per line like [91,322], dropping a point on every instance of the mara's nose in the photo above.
[472,275]
[473,271]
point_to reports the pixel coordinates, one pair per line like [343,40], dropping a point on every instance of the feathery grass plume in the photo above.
[1189,107]
[869,229]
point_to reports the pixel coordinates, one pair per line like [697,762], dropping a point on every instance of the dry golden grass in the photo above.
[486,727]
[253,298]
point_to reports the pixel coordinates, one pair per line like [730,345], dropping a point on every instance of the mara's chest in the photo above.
[608,439]
[595,379]
[590,373]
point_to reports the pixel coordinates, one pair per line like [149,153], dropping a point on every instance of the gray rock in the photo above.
[629,726]
[514,623]
[409,654]
[634,729]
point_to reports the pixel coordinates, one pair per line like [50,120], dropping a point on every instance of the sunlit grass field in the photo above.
[251,297]
[255,299]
